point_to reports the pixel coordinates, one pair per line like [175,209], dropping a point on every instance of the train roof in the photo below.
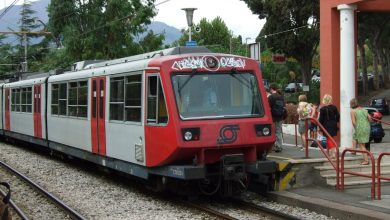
[144,56]
[137,63]
[27,82]
[86,69]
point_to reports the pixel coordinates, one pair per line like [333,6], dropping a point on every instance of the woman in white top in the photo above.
[304,111]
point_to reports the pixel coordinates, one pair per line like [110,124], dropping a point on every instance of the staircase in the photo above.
[352,163]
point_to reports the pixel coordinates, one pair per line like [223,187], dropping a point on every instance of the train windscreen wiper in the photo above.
[236,75]
[187,80]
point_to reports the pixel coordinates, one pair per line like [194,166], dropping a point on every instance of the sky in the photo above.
[235,13]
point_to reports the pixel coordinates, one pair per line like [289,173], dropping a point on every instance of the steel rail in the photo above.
[73,213]
[269,211]
[210,211]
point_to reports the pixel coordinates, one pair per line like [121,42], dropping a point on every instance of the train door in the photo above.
[98,116]
[7,110]
[37,111]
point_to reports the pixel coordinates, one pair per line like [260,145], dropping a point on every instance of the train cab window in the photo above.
[21,100]
[125,98]
[156,106]
[217,95]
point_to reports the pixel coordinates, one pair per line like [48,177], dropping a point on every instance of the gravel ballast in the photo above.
[96,195]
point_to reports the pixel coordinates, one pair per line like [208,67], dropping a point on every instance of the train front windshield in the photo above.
[217,95]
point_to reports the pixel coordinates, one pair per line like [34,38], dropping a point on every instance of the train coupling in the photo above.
[233,167]
[233,172]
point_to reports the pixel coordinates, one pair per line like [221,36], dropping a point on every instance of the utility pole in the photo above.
[24,33]
[25,67]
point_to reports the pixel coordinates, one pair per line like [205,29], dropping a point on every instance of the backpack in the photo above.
[306,111]
[278,110]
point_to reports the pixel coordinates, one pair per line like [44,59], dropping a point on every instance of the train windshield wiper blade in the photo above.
[187,80]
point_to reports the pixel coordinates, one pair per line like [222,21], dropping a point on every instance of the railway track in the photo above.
[247,210]
[271,213]
[68,212]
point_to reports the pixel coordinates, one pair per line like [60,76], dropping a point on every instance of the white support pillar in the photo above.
[347,71]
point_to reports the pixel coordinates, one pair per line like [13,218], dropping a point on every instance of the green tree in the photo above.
[152,42]
[100,29]
[373,29]
[292,27]
[6,61]
[215,35]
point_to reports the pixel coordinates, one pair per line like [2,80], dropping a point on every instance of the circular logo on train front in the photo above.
[228,134]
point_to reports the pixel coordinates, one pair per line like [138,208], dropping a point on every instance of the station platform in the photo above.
[304,187]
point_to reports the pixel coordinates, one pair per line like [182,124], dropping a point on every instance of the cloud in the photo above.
[235,13]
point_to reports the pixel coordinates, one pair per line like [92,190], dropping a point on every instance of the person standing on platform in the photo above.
[277,105]
[304,111]
[362,128]
[313,127]
[329,117]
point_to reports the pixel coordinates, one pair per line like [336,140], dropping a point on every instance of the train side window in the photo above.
[77,101]
[156,108]
[15,100]
[117,98]
[21,100]
[82,99]
[62,99]
[133,95]
[54,99]
[29,98]
[162,108]
[26,99]
[152,99]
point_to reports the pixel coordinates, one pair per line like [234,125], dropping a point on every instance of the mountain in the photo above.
[10,21]
[171,33]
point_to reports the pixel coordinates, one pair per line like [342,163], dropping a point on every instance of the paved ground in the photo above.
[353,203]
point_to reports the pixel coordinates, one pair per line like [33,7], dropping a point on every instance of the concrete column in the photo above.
[347,71]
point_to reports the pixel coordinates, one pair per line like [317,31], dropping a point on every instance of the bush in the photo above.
[292,114]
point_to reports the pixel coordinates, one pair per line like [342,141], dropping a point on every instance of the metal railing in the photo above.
[378,120]
[336,165]
[372,176]
[379,177]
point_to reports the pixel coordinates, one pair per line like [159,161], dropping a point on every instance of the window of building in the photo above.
[21,100]
[156,106]
[125,98]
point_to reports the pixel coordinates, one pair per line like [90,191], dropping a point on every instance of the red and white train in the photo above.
[180,115]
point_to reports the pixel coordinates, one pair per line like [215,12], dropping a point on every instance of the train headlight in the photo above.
[263,130]
[266,131]
[190,134]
